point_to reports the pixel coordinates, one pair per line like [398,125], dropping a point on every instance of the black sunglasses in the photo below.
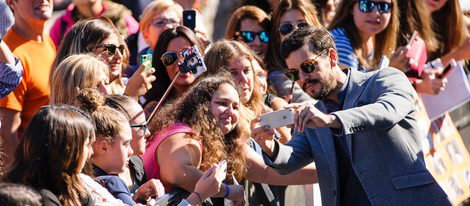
[249,36]
[367,6]
[287,28]
[307,67]
[169,58]
[140,126]
[111,48]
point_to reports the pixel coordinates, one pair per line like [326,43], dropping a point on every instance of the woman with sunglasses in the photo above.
[166,57]
[251,25]
[288,16]
[87,9]
[363,31]
[101,38]
[157,17]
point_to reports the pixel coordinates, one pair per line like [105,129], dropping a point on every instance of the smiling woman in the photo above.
[364,31]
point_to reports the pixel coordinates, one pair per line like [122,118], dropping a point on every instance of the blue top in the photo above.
[115,185]
[10,77]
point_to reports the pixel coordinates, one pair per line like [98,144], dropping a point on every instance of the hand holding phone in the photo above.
[277,118]
[449,68]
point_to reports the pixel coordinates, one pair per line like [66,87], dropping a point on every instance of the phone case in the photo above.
[146,58]
[277,119]
[192,62]
[418,57]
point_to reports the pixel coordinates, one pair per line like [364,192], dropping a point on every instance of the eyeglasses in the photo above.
[307,67]
[169,58]
[287,28]
[141,126]
[111,48]
[249,36]
[367,6]
[163,22]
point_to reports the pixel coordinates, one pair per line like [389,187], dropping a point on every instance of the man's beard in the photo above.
[325,88]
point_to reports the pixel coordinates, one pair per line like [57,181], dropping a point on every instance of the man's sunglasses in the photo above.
[140,126]
[163,22]
[307,67]
[287,28]
[367,6]
[249,36]
[169,58]
[111,48]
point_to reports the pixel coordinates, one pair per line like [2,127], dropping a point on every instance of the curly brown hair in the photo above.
[193,109]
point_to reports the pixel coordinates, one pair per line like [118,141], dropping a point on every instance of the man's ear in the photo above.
[333,57]
[101,146]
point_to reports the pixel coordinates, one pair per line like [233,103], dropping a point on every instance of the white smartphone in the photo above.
[277,118]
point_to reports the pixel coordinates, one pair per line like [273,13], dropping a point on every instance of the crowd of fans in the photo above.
[76,105]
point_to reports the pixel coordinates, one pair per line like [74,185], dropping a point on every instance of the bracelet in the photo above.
[198,196]
[227,190]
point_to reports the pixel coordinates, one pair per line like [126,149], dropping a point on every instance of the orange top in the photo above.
[34,90]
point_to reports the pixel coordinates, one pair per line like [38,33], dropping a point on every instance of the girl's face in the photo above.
[224,106]
[291,20]
[119,150]
[257,45]
[241,69]
[139,128]
[434,5]
[87,152]
[370,23]
[160,22]
[111,51]
[177,45]
[103,84]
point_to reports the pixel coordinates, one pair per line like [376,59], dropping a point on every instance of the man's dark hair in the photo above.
[317,40]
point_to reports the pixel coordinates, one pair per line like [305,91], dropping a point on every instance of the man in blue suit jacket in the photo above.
[362,133]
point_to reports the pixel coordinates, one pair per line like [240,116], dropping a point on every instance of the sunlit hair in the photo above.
[48,156]
[156,7]
[12,194]
[108,121]
[120,103]
[84,37]
[218,58]
[246,13]
[273,57]
[159,87]
[449,27]
[385,41]
[414,16]
[193,109]
[74,73]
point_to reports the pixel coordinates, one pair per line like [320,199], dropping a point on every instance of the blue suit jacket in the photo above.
[378,120]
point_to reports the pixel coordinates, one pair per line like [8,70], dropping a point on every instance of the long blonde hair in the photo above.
[385,41]
[78,71]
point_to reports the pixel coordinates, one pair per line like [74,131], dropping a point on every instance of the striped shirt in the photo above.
[345,51]
[6,17]
[10,77]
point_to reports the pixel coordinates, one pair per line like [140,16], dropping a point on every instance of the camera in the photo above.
[192,62]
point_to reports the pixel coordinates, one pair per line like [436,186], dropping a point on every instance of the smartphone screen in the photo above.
[189,18]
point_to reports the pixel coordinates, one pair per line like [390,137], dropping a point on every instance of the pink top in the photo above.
[152,169]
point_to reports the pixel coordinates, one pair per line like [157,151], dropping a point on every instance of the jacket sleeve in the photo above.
[392,105]
[292,156]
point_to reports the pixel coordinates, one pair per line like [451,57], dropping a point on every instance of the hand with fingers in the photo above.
[140,82]
[210,182]
[309,116]
[429,84]
[151,188]
[263,136]
[399,59]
